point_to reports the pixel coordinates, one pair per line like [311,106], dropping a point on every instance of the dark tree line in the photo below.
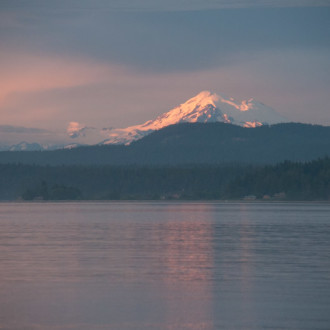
[55,192]
[287,180]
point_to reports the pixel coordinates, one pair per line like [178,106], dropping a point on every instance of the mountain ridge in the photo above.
[196,143]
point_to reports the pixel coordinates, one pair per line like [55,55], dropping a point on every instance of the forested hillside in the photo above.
[285,181]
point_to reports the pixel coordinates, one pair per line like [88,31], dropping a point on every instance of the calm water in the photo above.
[164,266]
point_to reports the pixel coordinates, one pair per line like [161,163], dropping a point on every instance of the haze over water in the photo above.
[164,266]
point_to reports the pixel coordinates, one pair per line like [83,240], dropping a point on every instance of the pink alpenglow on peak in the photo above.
[205,107]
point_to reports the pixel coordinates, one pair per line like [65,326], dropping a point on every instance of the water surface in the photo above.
[164,266]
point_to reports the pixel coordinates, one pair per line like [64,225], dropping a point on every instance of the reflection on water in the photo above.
[188,250]
[164,266]
[188,261]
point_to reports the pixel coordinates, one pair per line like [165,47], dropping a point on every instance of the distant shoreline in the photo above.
[146,201]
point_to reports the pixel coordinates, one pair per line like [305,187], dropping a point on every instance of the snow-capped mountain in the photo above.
[205,107]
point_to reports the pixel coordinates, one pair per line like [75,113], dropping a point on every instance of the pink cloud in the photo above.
[76,129]
[30,72]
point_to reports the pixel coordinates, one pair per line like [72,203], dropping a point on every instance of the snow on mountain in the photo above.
[205,107]
[73,145]
[24,146]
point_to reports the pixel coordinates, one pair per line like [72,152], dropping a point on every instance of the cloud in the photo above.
[75,129]
[37,88]
[162,40]
[28,72]
[15,134]
[20,129]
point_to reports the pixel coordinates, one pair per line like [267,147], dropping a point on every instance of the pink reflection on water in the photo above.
[189,262]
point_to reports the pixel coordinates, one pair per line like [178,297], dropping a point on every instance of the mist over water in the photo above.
[164,266]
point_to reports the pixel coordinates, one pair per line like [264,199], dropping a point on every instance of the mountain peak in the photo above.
[204,96]
[207,97]
[204,107]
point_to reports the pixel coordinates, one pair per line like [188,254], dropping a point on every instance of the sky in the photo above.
[116,63]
